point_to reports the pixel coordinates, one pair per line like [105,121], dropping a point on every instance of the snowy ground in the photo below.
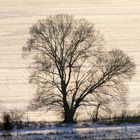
[77,132]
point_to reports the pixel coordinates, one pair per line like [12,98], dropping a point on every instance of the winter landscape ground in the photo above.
[77,132]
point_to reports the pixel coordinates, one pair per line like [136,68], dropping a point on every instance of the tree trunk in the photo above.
[68,112]
[69,116]
[97,112]
[96,116]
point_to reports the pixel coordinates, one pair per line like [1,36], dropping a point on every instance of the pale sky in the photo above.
[118,20]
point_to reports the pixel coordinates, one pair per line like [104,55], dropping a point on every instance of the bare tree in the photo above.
[104,106]
[16,116]
[17,119]
[70,67]
[7,122]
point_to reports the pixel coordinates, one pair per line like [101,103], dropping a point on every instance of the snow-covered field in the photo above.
[77,132]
